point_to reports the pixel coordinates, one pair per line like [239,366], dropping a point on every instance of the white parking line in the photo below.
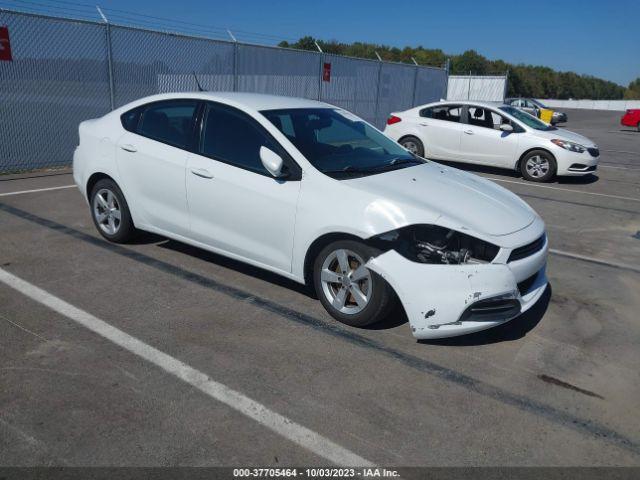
[563,189]
[36,190]
[281,425]
[599,261]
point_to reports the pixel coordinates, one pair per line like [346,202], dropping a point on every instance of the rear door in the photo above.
[482,140]
[440,130]
[152,159]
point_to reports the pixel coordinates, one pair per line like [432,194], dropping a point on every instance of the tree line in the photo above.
[524,80]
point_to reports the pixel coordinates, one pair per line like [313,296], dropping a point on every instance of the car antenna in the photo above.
[200,89]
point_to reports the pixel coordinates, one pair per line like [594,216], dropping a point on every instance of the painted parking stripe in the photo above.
[562,189]
[599,261]
[21,192]
[281,425]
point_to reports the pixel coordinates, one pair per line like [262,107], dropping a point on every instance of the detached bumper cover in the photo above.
[450,300]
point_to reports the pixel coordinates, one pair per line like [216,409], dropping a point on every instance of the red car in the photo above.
[631,118]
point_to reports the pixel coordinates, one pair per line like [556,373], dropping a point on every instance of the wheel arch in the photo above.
[317,245]
[95,178]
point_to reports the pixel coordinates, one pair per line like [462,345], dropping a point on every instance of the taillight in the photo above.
[393,119]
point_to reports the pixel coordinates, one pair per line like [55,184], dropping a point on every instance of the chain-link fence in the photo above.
[65,71]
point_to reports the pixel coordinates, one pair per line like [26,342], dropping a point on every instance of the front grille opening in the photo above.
[527,250]
[594,152]
[525,285]
[491,310]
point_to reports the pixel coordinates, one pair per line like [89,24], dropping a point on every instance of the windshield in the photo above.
[338,143]
[528,120]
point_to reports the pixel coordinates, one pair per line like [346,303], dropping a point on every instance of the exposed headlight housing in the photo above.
[436,245]
[571,146]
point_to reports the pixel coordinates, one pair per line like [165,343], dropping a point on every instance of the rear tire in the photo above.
[413,144]
[351,293]
[110,212]
[538,166]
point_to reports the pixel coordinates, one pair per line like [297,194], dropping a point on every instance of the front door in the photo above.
[484,143]
[235,205]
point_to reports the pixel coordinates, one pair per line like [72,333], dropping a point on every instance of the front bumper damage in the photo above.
[450,300]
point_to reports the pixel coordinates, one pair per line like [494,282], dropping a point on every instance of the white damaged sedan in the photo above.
[314,193]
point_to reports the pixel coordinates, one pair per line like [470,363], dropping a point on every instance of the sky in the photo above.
[596,37]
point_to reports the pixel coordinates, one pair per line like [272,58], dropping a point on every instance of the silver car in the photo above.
[533,106]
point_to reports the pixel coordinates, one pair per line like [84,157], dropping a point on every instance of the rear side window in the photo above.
[169,122]
[231,137]
[448,113]
[130,119]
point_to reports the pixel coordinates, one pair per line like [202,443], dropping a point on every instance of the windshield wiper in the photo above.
[393,163]
[348,169]
[396,162]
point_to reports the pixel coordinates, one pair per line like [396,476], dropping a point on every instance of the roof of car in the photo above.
[463,102]
[255,101]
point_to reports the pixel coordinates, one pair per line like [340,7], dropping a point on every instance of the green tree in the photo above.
[525,80]
[633,90]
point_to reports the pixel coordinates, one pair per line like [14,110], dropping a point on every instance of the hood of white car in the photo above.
[565,135]
[456,199]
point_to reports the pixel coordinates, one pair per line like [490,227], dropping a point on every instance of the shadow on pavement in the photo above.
[505,172]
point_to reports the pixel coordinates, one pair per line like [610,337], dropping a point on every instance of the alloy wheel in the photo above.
[106,210]
[346,282]
[537,166]
[411,146]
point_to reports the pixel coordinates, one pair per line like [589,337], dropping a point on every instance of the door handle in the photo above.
[202,172]
[423,124]
[469,132]
[127,147]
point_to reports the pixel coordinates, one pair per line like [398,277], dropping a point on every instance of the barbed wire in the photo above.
[88,12]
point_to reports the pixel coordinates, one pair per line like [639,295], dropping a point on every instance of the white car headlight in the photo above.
[567,145]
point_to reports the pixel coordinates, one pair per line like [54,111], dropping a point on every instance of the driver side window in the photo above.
[228,136]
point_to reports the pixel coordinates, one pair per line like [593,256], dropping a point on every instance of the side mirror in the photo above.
[272,162]
[505,127]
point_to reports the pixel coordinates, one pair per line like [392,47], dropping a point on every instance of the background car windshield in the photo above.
[339,143]
[539,103]
[528,120]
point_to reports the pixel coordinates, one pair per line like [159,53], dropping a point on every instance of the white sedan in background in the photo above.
[314,193]
[493,135]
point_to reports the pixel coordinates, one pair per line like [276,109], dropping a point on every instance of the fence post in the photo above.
[506,85]
[377,112]
[235,60]
[415,82]
[320,70]
[112,103]
[447,69]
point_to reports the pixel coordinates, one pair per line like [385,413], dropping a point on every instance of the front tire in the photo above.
[413,144]
[538,166]
[350,292]
[110,212]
